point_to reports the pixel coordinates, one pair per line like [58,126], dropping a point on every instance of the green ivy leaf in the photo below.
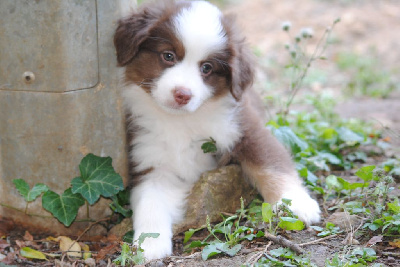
[29,194]
[64,207]
[143,236]
[128,237]
[210,146]
[98,178]
[289,223]
[117,207]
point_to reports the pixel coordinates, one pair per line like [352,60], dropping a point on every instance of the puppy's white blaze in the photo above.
[173,142]
[184,74]
[200,30]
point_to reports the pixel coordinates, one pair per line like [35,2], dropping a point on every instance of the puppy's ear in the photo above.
[131,32]
[242,71]
[242,61]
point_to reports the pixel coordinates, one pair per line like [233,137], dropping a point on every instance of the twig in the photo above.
[191,256]
[87,229]
[253,259]
[317,240]
[393,254]
[284,242]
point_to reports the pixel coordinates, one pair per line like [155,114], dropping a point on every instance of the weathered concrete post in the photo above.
[59,99]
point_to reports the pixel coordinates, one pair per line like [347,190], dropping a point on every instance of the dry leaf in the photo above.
[20,243]
[374,240]
[395,243]
[4,244]
[86,251]
[67,244]
[28,236]
[108,250]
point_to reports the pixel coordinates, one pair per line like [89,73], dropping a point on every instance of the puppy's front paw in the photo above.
[303,206]
[157,248]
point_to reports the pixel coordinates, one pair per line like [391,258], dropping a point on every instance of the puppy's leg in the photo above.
[269,166]
[157,202]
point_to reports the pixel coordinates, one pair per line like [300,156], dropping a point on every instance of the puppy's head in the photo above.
[182,54]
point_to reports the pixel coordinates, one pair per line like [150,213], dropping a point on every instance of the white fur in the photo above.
[303,205]
[171,145]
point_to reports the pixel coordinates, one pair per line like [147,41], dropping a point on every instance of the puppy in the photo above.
[188,77]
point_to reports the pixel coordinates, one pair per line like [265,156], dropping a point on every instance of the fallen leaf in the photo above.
[374,240]
[67,244]
[4,244]
[86,254]
[28,236]
[395,243]
[20,243]
[31,253]
[108,250]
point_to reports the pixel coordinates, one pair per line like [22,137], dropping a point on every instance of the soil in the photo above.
[367,27]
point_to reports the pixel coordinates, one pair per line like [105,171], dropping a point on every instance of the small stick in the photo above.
[393,254]
[317,240]
[284,242]
[87,229]
[253,259]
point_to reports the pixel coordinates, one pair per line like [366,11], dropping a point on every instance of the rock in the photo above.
[216,191]
[344,220]
[122,228]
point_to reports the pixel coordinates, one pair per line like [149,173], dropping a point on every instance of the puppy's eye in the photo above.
[206,69]
[168,57]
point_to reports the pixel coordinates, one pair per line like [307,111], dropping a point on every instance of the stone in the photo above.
[216,191]
[345,221]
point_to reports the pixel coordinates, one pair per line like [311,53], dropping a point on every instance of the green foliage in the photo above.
[29,194]
[283,257]
[230,232]
[367,76]
[210,146]
[131,255]
[64,207]
[320,140]
[356,257]
[215,248]
[98,178]
[330,229]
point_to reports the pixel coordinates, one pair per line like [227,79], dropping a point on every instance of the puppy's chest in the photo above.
[174,142]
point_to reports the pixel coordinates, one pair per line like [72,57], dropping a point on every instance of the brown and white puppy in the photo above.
[188,77]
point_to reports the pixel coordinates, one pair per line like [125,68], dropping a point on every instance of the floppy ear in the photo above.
[131,33]
[242,62]
[242,71]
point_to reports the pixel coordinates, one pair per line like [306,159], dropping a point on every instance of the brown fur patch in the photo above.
[264,160]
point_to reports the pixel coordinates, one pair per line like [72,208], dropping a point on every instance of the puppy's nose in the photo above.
[182,95]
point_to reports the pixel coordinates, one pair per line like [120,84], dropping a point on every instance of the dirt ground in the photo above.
[367,27]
